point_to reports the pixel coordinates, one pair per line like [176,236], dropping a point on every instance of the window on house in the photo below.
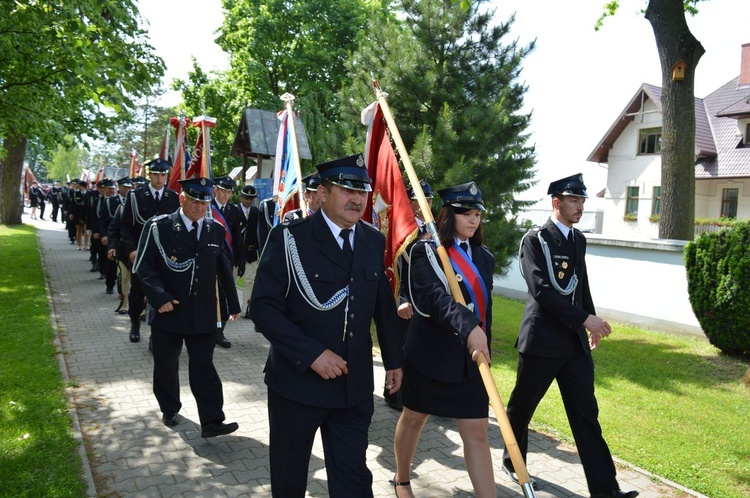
[650,141]
[656,204]
[747,135]
[729,197]
[631,206]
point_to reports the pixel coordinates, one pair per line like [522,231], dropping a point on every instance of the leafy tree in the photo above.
[66,161]
[453,89]
[66,68]
[301,48]
[675,42]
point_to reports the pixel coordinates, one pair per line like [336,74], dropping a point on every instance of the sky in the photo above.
[579,80]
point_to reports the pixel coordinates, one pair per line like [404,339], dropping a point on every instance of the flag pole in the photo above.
[288,98]
[484,368]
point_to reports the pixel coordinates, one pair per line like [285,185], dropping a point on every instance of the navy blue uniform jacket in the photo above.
[140,205]
[552,324]
[298,333]
[196,313]
[436,345]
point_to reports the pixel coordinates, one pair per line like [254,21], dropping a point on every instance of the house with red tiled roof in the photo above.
[631,149]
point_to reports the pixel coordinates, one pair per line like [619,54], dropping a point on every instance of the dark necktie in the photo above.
[156,196]
[194,231]
[347,247]
[570,236]
[464,246]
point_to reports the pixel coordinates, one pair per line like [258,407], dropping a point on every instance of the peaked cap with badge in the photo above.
[346,172]
[464,196]
[570,185]
[199,189]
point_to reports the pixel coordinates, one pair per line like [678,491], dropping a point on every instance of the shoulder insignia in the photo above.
[159,217]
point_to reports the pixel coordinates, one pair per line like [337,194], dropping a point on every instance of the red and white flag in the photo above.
[181,157]
[285,182]
[390,208]
[133,164]
[200,163]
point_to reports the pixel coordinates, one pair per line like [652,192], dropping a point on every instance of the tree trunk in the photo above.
[675,42]
[11,169]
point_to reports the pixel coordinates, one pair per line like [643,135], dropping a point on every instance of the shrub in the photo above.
[718,273]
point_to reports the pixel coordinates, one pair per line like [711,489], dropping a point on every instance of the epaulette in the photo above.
[159,217]
[294,222]
[369,225]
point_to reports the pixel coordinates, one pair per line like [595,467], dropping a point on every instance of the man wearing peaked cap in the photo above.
[558,331]
[312,197]
[110,226]
[179,260]
[141,204]
[405,309]
[319,371]
[229,215]
[249,228]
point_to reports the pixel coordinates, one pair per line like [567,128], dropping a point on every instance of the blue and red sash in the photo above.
[473,281]
[218,216]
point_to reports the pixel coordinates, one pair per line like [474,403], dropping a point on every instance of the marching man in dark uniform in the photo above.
[55,198]
[115,198]
[553,341]
[179,259]
[323,282]
[312,197]
[141,204]
[249,228]
[231,217]
[405,309]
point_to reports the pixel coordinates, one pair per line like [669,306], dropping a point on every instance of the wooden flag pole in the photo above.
[288,98]
[484,368]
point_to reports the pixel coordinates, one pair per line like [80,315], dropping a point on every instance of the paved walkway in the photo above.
[128,452]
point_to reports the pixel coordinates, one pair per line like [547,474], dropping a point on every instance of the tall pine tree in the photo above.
[454,90]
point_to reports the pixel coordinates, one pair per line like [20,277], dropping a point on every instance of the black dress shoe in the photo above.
[110,290]
[218,429]
[170,420]
[224,342]
[135,332]
[514,477]
[615,493]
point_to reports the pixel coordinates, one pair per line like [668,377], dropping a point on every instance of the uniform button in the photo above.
[351,298]
[317,275]
[351,316]
[351,279]
[297,362]
[351,334]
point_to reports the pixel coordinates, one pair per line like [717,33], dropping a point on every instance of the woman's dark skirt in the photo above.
[466,399]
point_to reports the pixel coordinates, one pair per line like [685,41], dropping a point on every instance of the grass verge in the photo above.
[674,406]
[38,452]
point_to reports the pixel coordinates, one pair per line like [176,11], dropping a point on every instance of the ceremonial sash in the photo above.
[218,216]
[470,276]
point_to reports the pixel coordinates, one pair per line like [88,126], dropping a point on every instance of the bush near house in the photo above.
[718,271]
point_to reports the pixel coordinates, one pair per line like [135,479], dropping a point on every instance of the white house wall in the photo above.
[708,195]
[628,169]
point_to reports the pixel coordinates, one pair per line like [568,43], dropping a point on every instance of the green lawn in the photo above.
[38,453]
[672,405]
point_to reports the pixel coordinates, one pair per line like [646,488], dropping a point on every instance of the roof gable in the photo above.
[704,144]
